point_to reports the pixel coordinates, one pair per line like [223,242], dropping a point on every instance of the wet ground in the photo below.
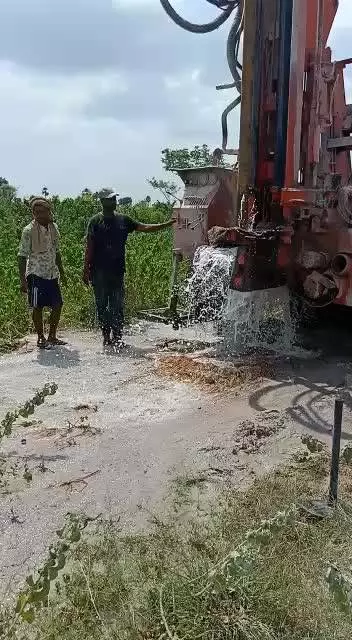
[117,432]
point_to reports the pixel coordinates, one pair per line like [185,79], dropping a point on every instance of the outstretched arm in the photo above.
[150,228]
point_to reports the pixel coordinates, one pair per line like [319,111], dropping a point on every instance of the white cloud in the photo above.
[98,109]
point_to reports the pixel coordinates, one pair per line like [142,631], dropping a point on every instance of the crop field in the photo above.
[149,258]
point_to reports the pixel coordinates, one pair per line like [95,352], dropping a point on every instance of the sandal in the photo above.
[42,343]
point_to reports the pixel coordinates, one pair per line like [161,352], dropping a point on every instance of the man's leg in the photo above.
[54,301]
[37,316]
[35,303]
[116,307]
[101,295]
[54,320]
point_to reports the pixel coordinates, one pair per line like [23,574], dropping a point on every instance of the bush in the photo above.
[149,259]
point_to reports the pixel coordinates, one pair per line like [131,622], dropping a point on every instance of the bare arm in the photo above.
[60,267]
[151,228]
[23,253]
[22,263]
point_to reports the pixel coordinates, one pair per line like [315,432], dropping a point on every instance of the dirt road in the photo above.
[116,433]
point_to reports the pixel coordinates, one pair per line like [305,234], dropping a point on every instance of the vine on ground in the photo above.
[27,409]
[35,595]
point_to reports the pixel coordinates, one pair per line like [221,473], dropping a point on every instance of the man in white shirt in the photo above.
[40,267]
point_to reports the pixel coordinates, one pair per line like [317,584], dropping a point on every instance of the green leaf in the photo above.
[28,615]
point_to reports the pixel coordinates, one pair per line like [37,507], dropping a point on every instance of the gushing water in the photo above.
[247,321]
[257,320]
[208,286]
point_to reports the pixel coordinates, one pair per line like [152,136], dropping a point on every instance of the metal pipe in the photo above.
[285,30]
[341,264]
[335,457]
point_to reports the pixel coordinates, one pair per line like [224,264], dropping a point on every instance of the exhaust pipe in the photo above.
[341,264]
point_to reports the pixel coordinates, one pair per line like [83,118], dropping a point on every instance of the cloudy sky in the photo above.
[92,90]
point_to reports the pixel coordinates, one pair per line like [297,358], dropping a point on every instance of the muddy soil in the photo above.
[119,430]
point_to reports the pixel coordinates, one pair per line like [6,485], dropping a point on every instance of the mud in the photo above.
[117,432]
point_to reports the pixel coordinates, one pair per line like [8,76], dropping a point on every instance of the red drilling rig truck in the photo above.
[287,204]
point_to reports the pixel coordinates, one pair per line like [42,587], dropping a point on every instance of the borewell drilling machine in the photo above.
[287,205]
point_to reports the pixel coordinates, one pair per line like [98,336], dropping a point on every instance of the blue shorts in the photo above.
[43,293]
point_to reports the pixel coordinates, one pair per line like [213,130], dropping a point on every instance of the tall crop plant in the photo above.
[149,260]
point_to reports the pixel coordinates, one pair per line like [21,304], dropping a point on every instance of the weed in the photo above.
[254,568]
[27,409]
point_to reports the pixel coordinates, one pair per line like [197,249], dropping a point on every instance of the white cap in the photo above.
[108,194]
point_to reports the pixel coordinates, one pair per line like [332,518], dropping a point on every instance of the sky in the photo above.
[92,90]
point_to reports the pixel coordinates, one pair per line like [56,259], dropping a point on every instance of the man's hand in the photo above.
[24,286]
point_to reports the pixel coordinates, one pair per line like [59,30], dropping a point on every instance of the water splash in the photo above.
[258,320]
[208,286]
[247,321]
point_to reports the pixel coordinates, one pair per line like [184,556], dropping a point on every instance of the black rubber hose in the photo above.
[222,4]
[233,43]
[224,116]
[197,28]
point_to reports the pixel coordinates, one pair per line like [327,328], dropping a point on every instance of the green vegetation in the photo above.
[213,573]
[149,257]
[149,260]
[26,410]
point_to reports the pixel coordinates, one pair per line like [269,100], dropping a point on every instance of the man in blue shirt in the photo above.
[104,265]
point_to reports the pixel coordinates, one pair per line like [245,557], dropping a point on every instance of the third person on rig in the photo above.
[104,265]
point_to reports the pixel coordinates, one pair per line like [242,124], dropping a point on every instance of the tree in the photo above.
[7,191]
[126,201]
[168,189]
[45,192]
[173,159]
[86,192]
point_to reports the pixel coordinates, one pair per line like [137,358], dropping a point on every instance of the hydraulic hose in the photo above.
[199,28]
[224,116]
[227,7]
[233,44]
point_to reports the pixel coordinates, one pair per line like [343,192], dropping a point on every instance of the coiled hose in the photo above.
[201,28]
[233,43]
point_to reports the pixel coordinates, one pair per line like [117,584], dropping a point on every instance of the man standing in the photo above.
[104,264]
[40,266]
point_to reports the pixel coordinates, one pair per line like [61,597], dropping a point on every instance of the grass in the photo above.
[170,582]
[149,258]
